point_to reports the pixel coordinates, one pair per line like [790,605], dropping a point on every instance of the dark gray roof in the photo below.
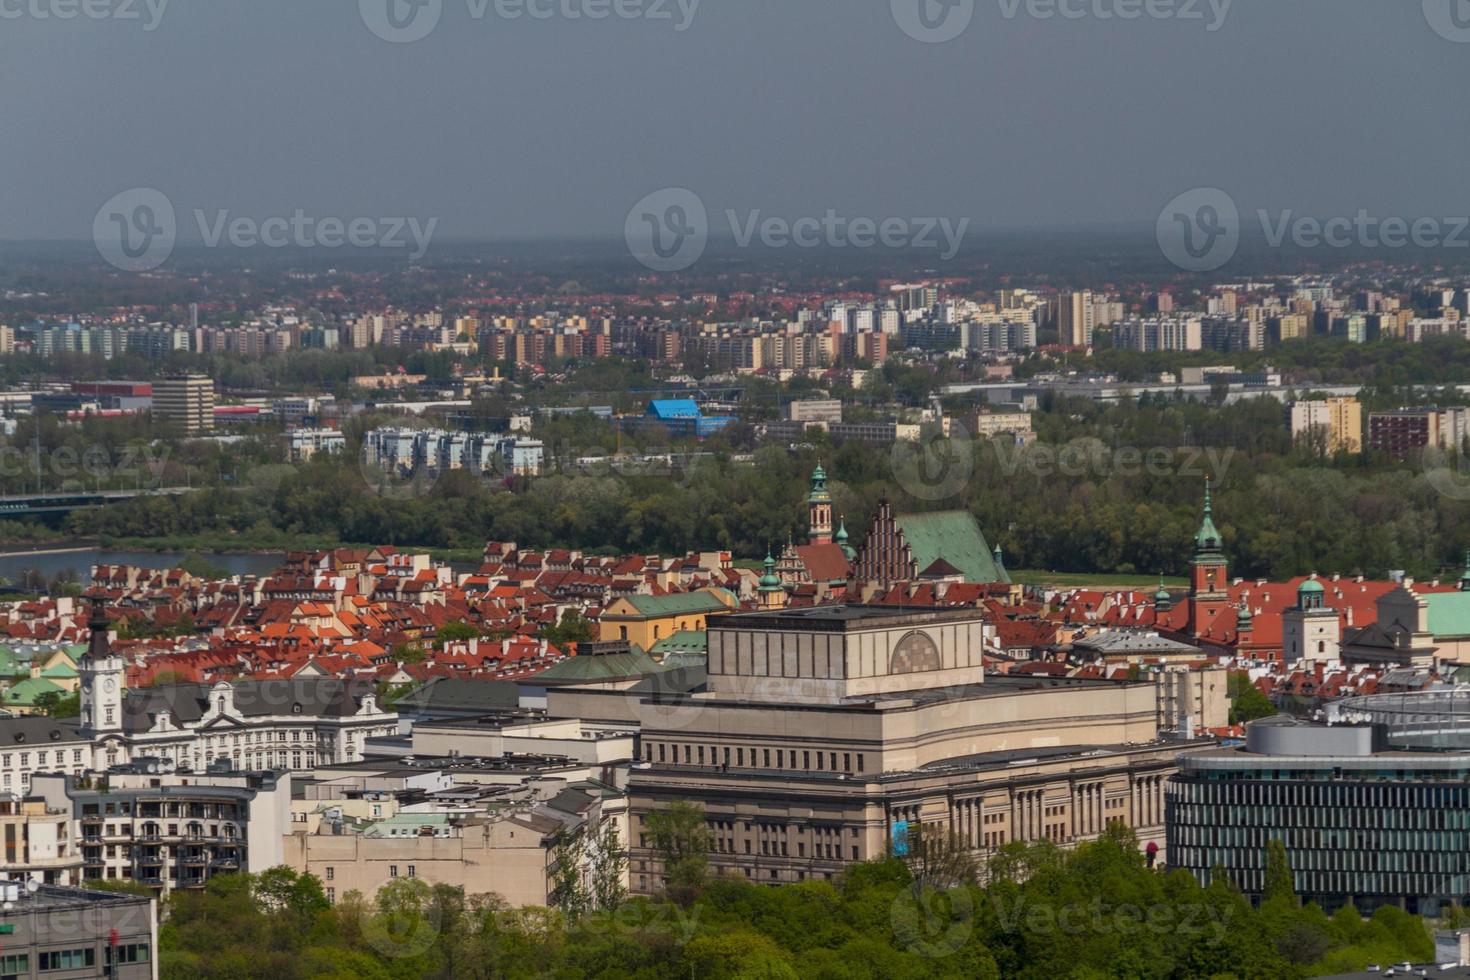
[38,731]
[317,697]
[461,694]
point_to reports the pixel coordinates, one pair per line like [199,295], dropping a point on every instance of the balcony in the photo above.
[225,864]
[152,881]
[150,860]
[195,857]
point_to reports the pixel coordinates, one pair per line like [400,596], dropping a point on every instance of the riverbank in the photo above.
[207,545]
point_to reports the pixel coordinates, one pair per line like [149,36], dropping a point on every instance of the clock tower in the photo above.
[101,674]
[1208,573]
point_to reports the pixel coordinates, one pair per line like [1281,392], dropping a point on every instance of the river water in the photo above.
[80,562]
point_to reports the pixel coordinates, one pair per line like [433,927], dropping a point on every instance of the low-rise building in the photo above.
[52,931]
[172,830]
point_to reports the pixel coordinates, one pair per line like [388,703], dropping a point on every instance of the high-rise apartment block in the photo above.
[186,400]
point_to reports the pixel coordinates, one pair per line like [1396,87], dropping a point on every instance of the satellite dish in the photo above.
[33,886]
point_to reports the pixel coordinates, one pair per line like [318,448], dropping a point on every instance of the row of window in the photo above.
[807,760]
[43,758]
[1353,816]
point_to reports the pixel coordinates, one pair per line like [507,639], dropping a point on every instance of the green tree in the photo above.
[1247,703]
[681,836]
[1280,884]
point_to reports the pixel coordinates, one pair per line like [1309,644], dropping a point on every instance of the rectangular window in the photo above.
[411,872]
[68,959]
[128,953]
[392,871]
[331,874]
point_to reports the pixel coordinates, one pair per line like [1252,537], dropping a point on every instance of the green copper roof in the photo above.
[1449,613]
[819,485]
[62,669]
[1310,585]
[676,605]
[770,581]
[1208,538]
[26,692]
[684,641]
[954,536]
[616,666]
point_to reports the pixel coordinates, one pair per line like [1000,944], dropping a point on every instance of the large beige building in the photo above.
[1338,420]
[186,400]
[829,735]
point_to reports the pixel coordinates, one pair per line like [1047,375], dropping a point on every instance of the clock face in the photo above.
[914,654]
[109,685]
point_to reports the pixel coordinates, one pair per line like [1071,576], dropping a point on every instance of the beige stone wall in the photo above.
[778,666]
[772,829]
[508,861]
[896,735]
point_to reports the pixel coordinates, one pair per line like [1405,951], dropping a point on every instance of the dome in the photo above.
[1310,587]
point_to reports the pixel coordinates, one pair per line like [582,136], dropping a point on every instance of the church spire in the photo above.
[819,509]
[1207,541]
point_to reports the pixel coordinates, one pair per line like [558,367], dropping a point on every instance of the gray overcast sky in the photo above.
[530,128]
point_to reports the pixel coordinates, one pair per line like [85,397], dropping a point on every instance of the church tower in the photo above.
[771,593]
[1311,630]
[101,674]
[819,509]
[1208,573]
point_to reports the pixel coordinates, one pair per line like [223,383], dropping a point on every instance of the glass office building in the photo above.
[1372,806]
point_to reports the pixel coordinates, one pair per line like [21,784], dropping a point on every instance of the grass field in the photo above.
[1069,580]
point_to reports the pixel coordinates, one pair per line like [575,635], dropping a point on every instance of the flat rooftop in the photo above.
[993,686]
[50,897]
[843,618]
